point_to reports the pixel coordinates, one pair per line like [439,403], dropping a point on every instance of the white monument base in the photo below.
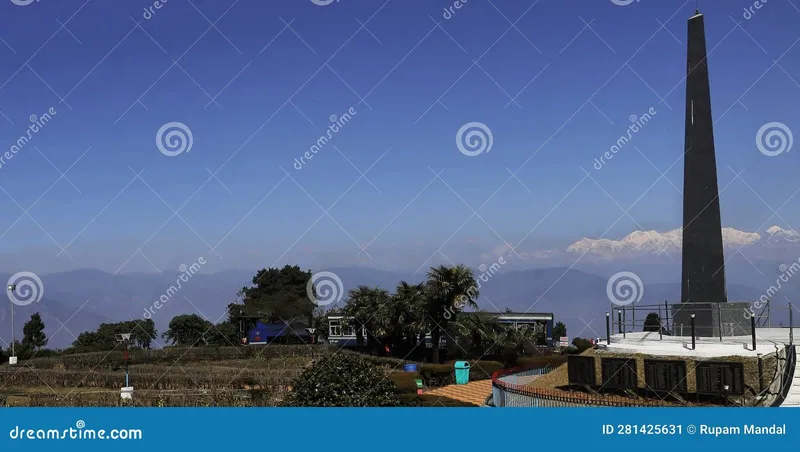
[126,393]
[12,360]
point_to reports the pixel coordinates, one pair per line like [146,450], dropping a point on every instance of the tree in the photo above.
[343,380]
[581,344]
[278,295]
[652,322]
[478,332]
[409,317]
[450,289]
[224,334]
[33,332]
[370,308]
[142,332]
[560,330]
[188,330]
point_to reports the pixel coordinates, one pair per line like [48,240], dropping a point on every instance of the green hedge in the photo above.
[549,360]
[435,375]
[404,382]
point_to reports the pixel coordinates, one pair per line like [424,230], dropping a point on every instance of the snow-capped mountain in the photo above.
[640,243]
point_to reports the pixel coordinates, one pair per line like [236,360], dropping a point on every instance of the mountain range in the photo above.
[80,300]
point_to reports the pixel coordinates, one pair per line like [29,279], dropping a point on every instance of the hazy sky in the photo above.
[257,84]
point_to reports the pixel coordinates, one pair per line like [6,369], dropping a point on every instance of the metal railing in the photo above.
[510,389]
[787,376]
[719,320]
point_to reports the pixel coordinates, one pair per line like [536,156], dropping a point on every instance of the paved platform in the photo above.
[793,401]
[768,340]
[474,392]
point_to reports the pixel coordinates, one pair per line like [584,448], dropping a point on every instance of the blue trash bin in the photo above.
[462,372]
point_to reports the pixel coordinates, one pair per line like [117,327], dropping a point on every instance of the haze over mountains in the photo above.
[570,283]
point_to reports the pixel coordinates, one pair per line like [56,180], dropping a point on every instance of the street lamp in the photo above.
[726,388]
[11,288]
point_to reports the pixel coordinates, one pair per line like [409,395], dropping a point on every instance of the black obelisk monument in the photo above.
[703,292]
[703,278]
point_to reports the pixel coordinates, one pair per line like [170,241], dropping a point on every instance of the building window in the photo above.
[350,330]
[334,328]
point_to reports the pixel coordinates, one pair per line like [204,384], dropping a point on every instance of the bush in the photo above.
[435,375]
[543,361]
[343,380]
[404,382]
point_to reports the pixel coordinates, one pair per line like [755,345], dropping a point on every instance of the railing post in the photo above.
[624,323]
[633,319]
[608,328]
[753,330]
[719,320]
[619,321]
[660,324]
[693,343]
[666,311]
[791,323]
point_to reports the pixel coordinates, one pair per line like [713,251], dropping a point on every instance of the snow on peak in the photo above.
[654,242]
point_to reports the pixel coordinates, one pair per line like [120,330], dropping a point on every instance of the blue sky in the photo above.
[257,90]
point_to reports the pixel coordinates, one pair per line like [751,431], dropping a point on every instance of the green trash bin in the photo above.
[462,372]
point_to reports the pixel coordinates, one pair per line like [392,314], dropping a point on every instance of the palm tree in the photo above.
[408,315]
[370,308]
[450,289]
[480,329]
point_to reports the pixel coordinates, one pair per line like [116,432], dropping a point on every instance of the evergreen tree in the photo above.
[33,332]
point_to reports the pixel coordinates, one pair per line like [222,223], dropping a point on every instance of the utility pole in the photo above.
[127,391]
[13,359]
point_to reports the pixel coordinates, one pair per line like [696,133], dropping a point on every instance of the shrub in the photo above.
[435,375]
[404,382]
[343,380]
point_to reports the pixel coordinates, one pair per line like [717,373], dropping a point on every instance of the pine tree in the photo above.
[33,332]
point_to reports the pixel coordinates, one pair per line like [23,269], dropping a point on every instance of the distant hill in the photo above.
[82,299]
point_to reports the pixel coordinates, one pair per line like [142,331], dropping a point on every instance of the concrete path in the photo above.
[793,400]
[474,392]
